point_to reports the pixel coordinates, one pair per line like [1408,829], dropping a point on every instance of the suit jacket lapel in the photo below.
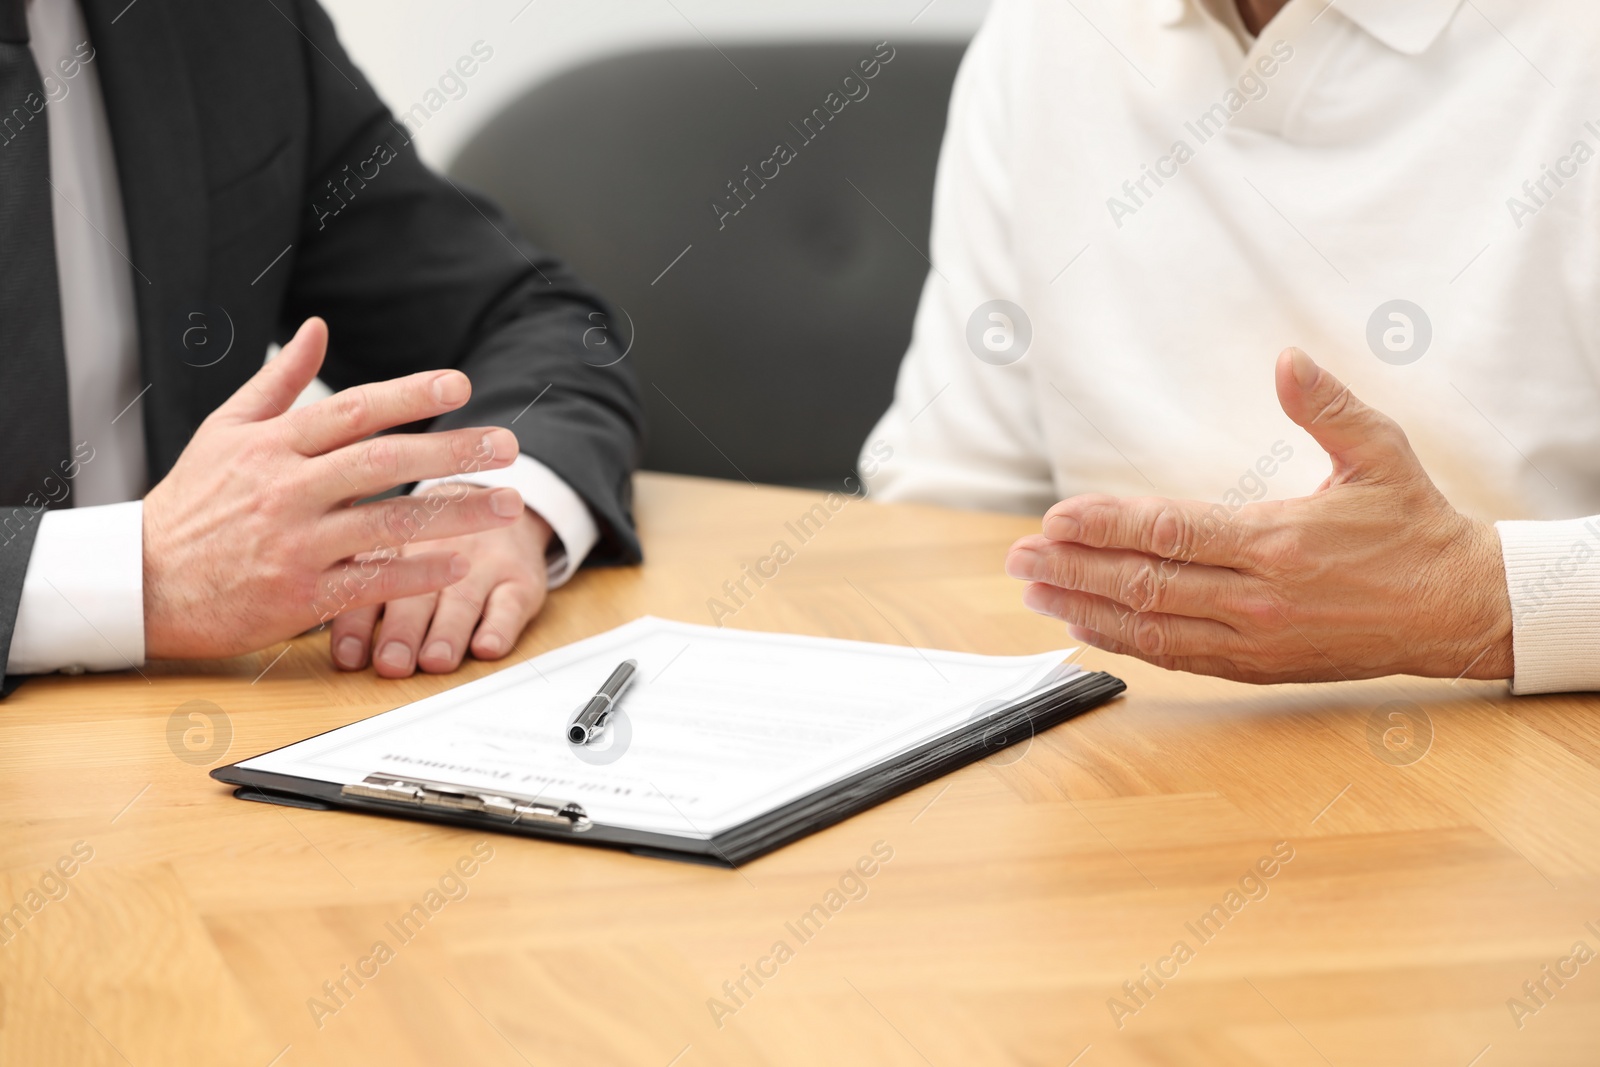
[155,133]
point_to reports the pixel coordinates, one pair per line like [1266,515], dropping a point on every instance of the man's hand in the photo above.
[484,611]
[1373,574]
[253,537]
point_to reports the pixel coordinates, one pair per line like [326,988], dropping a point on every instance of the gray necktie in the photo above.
[34,414]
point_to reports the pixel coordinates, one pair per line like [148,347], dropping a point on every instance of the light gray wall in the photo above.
[406,46]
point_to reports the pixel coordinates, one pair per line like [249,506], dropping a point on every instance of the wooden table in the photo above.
[1022,892]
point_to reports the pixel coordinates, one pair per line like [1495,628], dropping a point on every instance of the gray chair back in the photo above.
[765,332]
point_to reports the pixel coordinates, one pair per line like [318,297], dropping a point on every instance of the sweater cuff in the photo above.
[1553,576]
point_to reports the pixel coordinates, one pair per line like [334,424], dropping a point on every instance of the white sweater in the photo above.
[1166,204]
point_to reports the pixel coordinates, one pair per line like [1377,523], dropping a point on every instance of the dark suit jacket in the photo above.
[242,130]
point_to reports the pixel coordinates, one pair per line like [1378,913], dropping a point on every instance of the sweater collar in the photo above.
[1407,26]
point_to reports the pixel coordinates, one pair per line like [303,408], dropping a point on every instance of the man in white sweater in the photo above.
[1167,232]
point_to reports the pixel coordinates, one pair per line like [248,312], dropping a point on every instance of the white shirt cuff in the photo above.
[553,499]
[1553,575]
[82,604]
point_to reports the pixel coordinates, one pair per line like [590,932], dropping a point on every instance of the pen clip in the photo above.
[591,719]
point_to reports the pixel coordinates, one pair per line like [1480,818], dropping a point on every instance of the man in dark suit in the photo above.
[183,182]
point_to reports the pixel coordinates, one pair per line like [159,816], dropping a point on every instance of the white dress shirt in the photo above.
[82,603]
[1171,203]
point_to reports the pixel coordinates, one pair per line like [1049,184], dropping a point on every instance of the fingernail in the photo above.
[459,566]
[1305,371]
[1022,563]
[438,650]
[395,656]
[348,652]
[490,644]
[1063,528]
[506,503]
[451,388]
[1088,637]
[1036,598]
[499,444]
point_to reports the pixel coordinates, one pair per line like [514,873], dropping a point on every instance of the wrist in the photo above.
[156,638]
[543,533]
[1486,650]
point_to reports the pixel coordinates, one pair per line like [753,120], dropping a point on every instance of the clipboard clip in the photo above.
[438,796]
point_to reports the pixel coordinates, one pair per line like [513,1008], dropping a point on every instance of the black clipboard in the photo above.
[543,817]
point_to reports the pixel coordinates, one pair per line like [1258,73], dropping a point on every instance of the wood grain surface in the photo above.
[1098,896]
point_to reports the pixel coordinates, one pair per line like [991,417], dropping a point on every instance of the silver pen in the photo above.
[590,722]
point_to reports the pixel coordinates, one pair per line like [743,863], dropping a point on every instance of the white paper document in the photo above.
[718,727]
